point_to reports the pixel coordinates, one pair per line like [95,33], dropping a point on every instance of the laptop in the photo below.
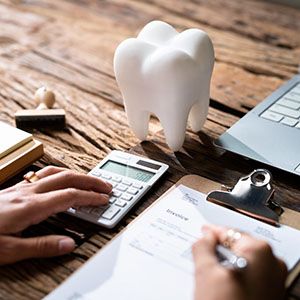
[270,132]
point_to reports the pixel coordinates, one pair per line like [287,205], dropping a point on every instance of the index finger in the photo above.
[204,251]
[41,206]
[71,179]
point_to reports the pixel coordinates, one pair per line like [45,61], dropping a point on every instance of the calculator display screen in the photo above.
[128,171]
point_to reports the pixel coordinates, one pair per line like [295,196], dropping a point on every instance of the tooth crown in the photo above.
[165,73]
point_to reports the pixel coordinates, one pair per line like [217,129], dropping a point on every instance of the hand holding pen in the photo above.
[261,277]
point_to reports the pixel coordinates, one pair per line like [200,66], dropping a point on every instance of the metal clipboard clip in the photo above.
[252,195]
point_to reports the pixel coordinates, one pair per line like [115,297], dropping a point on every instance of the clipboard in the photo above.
[287,216]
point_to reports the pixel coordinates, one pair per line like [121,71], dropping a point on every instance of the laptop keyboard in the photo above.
[286,110]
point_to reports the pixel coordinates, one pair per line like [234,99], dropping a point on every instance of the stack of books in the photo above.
[18,150]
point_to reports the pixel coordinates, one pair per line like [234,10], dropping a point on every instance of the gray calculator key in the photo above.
[85,209]
[112,200]
[106,176]
[96,172]
[289,103]
[132,191]
[72,210]
[127,197]
[289,121]
[127,182]
[269,115]
[137,185]
[111,212]
[121,203]
[97,211]
[285,111]
[116,194]
[114,184]
[117,178]
[293,95]
[121,187]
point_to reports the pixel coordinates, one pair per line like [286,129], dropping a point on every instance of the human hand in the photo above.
[26,204]
[263,278]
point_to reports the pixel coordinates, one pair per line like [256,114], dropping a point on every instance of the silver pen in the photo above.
[229,260]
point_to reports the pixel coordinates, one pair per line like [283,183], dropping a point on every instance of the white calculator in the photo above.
[131,177]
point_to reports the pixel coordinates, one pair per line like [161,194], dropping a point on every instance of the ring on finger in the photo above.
[31,177]
[232,236]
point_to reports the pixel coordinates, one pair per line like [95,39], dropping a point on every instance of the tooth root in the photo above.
[138,121]
[174,125]
[199,111]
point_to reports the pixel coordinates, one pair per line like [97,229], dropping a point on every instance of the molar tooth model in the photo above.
[165,73]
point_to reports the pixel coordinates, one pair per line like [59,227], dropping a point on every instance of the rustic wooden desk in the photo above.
[69,46]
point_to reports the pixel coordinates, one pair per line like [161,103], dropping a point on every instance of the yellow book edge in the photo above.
[21,138]
[19,159]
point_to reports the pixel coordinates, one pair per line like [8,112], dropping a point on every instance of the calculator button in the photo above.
[132,191]
[96,172]
[72,210]
[121,203]
[106,176]
[269,115]
[116,193]
[111,212]
[112,200]
[85,209]
[293,95]
[117,178]
[114,184]
[289,121]
[121,187]
[98,210]
[127,182]
[137,185]
[126,197]
[289,103]
[285,111]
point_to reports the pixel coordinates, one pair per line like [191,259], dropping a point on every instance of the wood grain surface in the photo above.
[69,46]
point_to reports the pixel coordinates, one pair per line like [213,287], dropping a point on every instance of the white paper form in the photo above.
[152,258]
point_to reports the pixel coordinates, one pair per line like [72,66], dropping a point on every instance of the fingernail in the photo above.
[109,185]
[66,245]
[105,197]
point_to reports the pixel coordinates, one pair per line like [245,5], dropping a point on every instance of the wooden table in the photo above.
[69,46]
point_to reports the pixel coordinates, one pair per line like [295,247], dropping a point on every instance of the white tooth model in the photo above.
[165,73]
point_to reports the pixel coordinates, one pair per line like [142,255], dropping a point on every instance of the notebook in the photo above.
[18,149]
[12,138]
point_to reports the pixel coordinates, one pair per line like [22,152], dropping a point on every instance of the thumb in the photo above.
[13,249]
[204,250]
